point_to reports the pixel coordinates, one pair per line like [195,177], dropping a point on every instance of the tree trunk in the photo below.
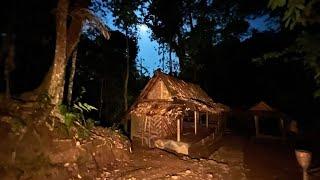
[71,77]
[57,78]
[74,33]
[180,52]
[126,80]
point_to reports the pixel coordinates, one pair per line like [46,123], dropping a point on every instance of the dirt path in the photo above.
[272,160]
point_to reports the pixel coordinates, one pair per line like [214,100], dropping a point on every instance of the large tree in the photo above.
[126,19]
[67,38]
[191,28]
[55,85]
[303,18]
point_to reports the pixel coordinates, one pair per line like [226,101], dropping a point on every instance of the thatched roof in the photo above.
[187,95]
[263,109]
[155,109]
[262,106]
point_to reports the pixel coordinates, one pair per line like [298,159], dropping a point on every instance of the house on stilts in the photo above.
[175,115]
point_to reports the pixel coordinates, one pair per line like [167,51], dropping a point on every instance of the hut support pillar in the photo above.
[181,124]
[282,128]
[207,120]
[178,130]
[195,121]
[256,123]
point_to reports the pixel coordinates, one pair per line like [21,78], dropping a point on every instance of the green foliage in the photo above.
[292,15]
[273,4]
[267,56]
[124,13]
[76,113]
[316,94]
[297,11]
[90,123]
[84,107]
[307,43]
[83,133]
[63,109]
[69,118]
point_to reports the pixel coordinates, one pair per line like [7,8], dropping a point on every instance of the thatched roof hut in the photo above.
[262,111]
[163,104]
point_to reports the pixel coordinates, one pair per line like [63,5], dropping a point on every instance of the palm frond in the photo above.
[86,14]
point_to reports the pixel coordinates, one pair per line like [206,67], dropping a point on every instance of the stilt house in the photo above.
[169,108]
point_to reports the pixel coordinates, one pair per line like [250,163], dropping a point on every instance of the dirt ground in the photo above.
[273,160]
[158,164]
[237,158]
[30,151]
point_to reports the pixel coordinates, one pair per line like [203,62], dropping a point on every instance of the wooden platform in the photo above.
[196,145]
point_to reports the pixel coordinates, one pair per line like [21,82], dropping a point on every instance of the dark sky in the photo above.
[148,49]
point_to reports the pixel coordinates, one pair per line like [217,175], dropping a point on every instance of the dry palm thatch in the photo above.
[93,20]
[179,91]
[79,16]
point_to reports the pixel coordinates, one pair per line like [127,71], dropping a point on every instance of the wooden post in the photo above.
[195,121]
[149,138]
[207,119]
[144,128]
[178,130]
[256,123]
[131,127]
[181,124]
[282,128]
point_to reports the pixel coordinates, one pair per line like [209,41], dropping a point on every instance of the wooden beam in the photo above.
[195,121]
[178,130]
[207,119]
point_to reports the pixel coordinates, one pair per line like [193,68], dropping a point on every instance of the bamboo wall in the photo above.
[152,127]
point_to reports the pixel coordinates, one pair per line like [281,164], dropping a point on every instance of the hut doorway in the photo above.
[270,126]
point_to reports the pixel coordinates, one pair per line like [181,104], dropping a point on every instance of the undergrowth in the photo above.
[76,114]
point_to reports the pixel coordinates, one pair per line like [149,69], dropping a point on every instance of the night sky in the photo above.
[148,48]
